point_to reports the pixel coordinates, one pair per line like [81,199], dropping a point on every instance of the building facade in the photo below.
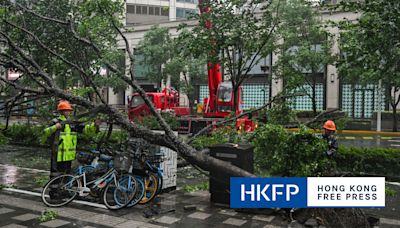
[357,100]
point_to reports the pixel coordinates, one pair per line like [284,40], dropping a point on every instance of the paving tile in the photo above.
[168,202]
[264,218]
[55,223]
[234,221]
[228,212]
[106,219]
[389,221]
[149,225]
[5,210]
[13,226]
[273,226]
[25,217]
[167,219]
[130,224]
[199,215]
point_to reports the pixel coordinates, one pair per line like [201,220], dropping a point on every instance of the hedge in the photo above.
[380,161]
[386,115]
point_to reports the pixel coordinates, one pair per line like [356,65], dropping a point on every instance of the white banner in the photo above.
[346,192]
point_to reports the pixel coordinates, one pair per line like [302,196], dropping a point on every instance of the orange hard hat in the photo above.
[330,125]
[64,106]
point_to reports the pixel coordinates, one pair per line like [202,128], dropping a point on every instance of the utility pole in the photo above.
[379,114]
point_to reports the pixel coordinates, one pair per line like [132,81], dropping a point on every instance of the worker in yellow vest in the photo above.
[63,139]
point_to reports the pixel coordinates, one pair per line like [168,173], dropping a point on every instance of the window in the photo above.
[136,101]
[184,13]
[157,11]
[140,69]
[151,10]
[144,10]
[180,12]
[130,8]
[138,9]
[165,11]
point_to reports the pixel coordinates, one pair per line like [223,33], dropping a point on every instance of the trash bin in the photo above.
[240,155]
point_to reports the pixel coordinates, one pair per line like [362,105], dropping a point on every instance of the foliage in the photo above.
[235,34]
[390,191]
[23,22]
[371,48]
[151,122]
[3,139]
[45,110]
[24,134]
[90,141]
[282,153]
[227,134]
[198,187]
[48,215]
[165,58]
[280,114]
[41,180]
[305,50]
[380,161]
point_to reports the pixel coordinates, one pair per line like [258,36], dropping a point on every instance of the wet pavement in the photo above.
[24,168]
[369,141]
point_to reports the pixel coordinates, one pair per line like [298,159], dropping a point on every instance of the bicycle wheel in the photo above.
[139,193]
[119,194]
[60,190]
[150,186]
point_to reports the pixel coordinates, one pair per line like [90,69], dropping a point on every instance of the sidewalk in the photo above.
[22,210]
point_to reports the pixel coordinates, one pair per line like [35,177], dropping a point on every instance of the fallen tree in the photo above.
[29,60]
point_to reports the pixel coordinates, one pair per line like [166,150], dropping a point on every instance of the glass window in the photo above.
[140,68]
[165,11]
[225,92]
[138,9]
[136,101]
[130,8]
[151,10]
[180,12]
[157,11]
[144,9]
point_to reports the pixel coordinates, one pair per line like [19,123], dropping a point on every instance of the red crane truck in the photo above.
[218,105]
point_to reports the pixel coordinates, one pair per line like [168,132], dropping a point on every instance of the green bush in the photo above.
[24,134]
[282,153]
[280,114]
[227,134]
[3,139]
[386,115]
[381,161]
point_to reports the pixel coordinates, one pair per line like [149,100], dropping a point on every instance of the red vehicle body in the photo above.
[168,100]
[218,105]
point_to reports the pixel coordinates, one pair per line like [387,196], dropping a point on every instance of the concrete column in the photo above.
[172,10]
[276,84]
[332,78]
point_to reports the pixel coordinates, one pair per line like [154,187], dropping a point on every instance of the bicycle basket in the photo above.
[85,157]
[122,162]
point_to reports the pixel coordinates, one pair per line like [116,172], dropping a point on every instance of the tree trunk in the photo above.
[235,100]
[313,99]
[394,116]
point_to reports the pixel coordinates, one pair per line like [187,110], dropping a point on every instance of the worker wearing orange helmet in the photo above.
[63,139]
[329,136]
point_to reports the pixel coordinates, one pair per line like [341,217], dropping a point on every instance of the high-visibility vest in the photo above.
[67,145]
[67,140]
